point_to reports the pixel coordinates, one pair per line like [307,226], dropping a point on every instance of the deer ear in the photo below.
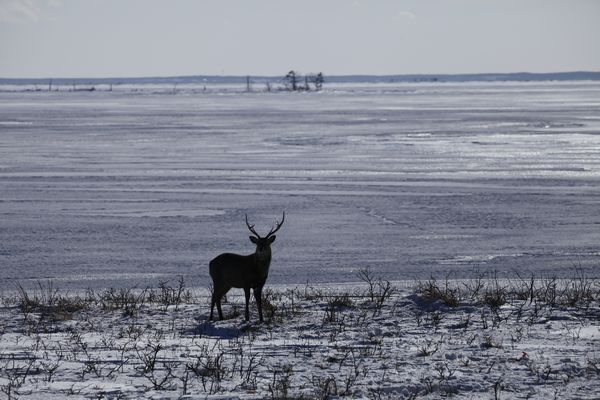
[253,239]
[272,239]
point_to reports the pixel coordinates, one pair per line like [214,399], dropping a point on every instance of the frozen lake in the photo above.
[127,188]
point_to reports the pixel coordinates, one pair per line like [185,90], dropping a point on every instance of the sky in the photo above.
[134,38]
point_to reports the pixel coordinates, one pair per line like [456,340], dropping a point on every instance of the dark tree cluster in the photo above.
[294,81]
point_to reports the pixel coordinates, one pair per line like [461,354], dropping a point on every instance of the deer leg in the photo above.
[212,307]
[219,307]
[247,294]
[258,298]
[216,299]
[213,301]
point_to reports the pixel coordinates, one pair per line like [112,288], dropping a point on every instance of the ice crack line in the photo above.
[371,212]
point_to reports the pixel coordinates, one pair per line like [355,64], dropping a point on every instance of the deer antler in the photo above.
[251,227]
[276,228]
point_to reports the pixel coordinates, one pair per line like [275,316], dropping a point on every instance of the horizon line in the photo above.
[267,76]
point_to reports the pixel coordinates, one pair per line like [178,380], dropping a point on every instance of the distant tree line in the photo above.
[293,81]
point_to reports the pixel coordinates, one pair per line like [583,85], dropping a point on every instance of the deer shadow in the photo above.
[218,329]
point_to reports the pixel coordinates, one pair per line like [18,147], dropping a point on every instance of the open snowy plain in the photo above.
[126,187]
[107,199]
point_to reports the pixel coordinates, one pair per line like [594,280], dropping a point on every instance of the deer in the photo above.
[230,270]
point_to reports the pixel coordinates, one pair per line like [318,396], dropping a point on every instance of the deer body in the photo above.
[230,270]
[240,271]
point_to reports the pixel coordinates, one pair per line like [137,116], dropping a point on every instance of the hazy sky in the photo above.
[108,38]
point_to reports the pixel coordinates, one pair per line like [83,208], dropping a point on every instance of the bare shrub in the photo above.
[593,366]
[379,290]
[281,383]
[366,275]
[48,304]
[341,300]
[495,298]
[431,291]
[15,373]
[489,343]
[168,295]
[496,295]
[272,311]
[434,319]
[48,300]
[473,287]
[578,290]
[324,387]
[427,348]
[149,356]
[125,299]
[209,367]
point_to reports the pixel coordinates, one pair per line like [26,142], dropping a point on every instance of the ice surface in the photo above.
[410,179]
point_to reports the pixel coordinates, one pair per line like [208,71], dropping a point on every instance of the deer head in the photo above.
[263,244]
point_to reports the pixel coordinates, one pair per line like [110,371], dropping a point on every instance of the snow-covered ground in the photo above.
[473,339]
[127,187]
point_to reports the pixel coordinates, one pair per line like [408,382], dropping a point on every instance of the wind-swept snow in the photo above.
[410,179]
